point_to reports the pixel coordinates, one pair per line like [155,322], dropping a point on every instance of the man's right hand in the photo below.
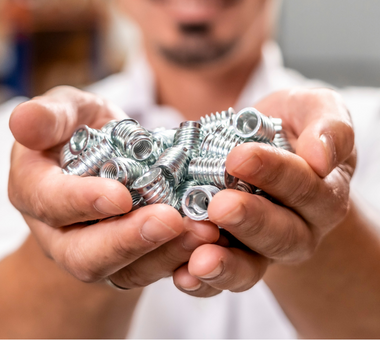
[134,250]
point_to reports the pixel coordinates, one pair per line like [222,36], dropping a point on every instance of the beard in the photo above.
[197,47]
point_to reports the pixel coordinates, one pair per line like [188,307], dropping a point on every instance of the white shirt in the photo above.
[163,311]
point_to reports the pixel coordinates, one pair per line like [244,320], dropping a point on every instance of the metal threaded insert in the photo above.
[110,169]
[210,123]
[79,140]
[195,201]
[132,139]
[122,169]
[180,191]
[90,161]
[250,123]
[166,137]
[174,162]
[142,149]
[66,157]
[155,189]
[245,187]
[211,171]
[189,135]
[220,142]
[84,138]
[137,200]
[107,128]
[281,141]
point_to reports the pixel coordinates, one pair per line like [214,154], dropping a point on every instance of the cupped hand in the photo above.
[312,187]
[135,249]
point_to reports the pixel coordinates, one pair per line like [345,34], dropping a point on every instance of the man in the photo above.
[315,252]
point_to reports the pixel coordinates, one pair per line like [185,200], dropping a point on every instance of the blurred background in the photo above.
[44,43]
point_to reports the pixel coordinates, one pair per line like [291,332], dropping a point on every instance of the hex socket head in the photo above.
[195,201]
[79,140]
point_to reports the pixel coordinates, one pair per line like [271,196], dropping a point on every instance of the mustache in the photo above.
[198,29]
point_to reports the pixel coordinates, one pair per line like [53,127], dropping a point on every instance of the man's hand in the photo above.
[135,249]
[312,185]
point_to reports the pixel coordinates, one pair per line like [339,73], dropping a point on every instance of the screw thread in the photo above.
[196,199]
[84,138]
[220,142]
[124,170]
[190,136]
[107,128]
[132,139]
[210,123]
[262,193]
[66,157]
[250,123]
[174,163]
[166,137]
[246,187]
[137,201]
[155,189]
[211,171]
[281,141]
[277,123]
[90,161]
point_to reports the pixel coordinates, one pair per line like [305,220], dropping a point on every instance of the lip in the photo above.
[194,11]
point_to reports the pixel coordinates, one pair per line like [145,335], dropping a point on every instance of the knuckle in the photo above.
[63,89]
[74,261]
[340,208]
[272,178]
[250,278]
[131,278]
[304,191]
[127,250]
[13,194]
[42,212]
[308,250]
[296,247]
[39,210]
[256,223]
[169,258]
[244,285]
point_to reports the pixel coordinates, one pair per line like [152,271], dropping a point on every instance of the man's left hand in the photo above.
[312,185]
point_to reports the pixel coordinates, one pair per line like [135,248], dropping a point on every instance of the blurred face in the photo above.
[197,32]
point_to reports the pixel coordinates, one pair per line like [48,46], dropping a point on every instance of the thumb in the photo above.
[48,120]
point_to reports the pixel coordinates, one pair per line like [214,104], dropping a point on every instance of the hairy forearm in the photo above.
[337,292]
[40,300]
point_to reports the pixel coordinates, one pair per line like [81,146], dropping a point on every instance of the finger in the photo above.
[191,285]
[320,120]
[269,229]
[48,120]
[227,268]
[163,261]
[93,252]
[289,179]
[38,187]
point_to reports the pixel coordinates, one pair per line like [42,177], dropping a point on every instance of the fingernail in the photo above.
[155,230]
[249,166]
[194,288]
[330,151]
[213,274]
[106,207]
[191,241]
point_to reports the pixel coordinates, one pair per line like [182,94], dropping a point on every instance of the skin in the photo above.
[296,247]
